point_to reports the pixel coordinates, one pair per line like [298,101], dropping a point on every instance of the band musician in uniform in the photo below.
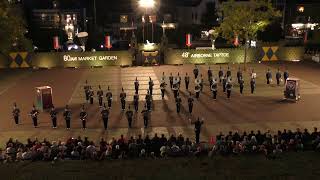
[136,85]
[187,81]
[109,97]
[151,84]
[278,77]
[197,129]
[190,103]
[123,97]
[178,103]
[129,115]
[148,101]
[83,118]
[67,116]
[105,116]
[228,88]
[195,71]
[162,88]
[145,113]
[197,90]
[91,94]
[214,87]
[53,115]
[34,116]
[171,80]
[241,85]
[100,96]
[16,113]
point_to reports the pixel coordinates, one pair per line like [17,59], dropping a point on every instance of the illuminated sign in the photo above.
[204,55]
[68,58]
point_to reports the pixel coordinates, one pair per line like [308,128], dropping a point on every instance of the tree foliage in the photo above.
[12,29]
[245,19]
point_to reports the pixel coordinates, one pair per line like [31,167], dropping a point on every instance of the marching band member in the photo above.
[100,96]
[109,97]
[16,113]
[53,115]
[214,87]
[162,88]
[136,85]
[123,97]
[187,81]
[34,116]
[67,116]
[83,118]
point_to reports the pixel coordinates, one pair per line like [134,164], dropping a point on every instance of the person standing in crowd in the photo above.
[197,89]
[224,83]
[86,88]
[196,71]
[145,113]
[285,75]
[268,76]
[123,97]
[228,88]
[210,74]
[278,77]
[201,82]
[109,97]
[187,81]
[67,116]
[16,113]
[179,80]
[239,75]
[241,85]
[220,74]
[214,87]
[34,116]
[151,84]
[53,115]
[83,118]
[252,84]
[178,103]
[91,94]
[129,115]
[175,87]
[171,80]
[228,73]
[197,129]
[190,103]
[136,85]
[105,116]
[100,96]
[148,101]
[136,101]
[162,88]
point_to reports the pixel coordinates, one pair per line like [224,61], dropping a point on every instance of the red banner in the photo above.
[56,44]
[188,40]
[108,42]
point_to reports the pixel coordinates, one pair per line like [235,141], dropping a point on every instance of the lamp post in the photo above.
[146,4]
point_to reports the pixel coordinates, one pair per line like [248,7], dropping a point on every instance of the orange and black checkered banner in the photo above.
[270,53]
[20,60]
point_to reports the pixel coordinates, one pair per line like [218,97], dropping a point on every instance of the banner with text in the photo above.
[208,56]
[82,59]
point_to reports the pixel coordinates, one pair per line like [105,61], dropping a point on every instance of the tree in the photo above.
[245,19]
[12,29]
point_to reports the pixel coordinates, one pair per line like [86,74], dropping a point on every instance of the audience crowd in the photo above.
[232,143]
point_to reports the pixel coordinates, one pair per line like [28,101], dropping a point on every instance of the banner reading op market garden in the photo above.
[82,59]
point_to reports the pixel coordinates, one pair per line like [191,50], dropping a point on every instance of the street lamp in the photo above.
[146,4]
